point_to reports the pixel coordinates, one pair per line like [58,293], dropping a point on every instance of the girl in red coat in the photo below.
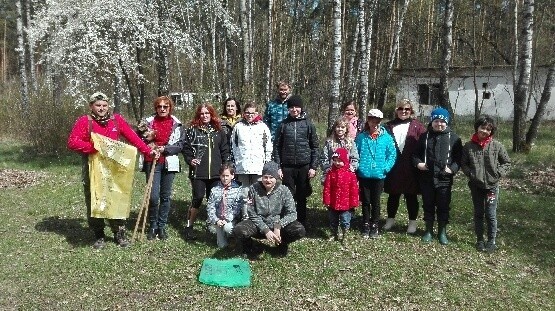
[340,194]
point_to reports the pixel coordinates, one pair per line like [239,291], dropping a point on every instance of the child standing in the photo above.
[484,162]
[340,194]
[437,159]
[225,205]
[339,138]
[376,149]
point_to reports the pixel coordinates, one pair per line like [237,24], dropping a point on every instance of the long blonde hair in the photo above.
[347,141]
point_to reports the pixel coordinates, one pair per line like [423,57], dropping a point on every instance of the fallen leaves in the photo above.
[13,178]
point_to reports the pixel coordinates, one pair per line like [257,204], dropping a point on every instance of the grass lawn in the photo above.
[47,262]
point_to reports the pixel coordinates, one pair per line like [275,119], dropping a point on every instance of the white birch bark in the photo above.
[247,79]
[447,47]
[21,57]
[366,52]
[268,84]
[333,112]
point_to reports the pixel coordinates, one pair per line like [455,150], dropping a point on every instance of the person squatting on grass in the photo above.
[100,120]
[376,150]
[340,194]
[272,214]
[338,139]
[406,131]
[205,150]
[437,158]
[484,162]
[296,151]
[226,205]
[251,145]
[164,132]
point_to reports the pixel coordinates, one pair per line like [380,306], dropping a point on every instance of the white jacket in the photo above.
[251,145]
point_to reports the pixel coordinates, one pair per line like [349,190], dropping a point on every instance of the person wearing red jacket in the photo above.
[340,194]
[101,121]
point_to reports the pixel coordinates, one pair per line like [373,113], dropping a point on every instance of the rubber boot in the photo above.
[442,233]
[429,233]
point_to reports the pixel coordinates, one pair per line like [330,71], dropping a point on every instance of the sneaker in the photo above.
[389,223]
[120,238]
[99,243]
[480,246]
[411,229]
[374,231]
[162,234]
[491,247]
[366,231]
[189,234]
[151,235]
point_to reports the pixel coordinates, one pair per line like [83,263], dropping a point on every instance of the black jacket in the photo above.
[296,142]
[210,146]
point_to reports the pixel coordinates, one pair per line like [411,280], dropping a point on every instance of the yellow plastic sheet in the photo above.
[111,171]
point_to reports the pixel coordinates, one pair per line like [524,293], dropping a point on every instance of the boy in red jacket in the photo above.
[340,194]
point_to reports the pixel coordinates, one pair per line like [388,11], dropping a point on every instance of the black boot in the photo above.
[151,235]
[120,238]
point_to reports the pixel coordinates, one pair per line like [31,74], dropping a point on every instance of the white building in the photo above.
[494,85]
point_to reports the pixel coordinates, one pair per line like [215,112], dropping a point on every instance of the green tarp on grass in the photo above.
[226,273]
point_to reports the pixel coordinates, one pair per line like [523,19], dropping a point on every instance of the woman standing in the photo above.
[231,114]
[206,148]
[402,179]
[167,136]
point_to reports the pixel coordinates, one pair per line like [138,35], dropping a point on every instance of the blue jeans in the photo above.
[160,195]
[342,218]
[485,203]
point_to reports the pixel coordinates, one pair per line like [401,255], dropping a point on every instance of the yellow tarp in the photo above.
[111,171]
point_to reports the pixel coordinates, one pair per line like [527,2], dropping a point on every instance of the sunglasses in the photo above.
[162,107]
[404,109]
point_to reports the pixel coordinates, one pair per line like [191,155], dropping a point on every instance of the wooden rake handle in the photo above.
[145,203]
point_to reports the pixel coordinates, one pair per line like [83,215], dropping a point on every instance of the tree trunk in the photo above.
[446,56]
[366,52]
[21,57]
[540,111]
[247,75]
[525,67]
[268,85]
[162,64]
[359,31]
[31,55]
[333,112]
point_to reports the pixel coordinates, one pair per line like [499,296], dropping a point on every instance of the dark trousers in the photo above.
[246,229]
[96,224]
[296,179]
[370,193]
[160,195]
[485,203]
[200,188]
[393,205]
[436,201]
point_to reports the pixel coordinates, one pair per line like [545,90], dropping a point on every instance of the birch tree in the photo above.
[245,34]
[21,57]
[366,52]
[333,112]
[447,48]
[532,133]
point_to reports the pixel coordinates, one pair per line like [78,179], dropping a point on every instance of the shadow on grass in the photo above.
[73,229]
[26,155]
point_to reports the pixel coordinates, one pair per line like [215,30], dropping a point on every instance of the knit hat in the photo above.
[98,96]
[295,101]
[271,168]
[342,154]
[376,113]
[440,113]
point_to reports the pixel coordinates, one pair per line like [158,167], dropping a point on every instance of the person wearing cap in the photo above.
[276,109]
[296,152]
[340,194]
[271,214]
[376,149]
[406,131]
[437,158]
[102,121]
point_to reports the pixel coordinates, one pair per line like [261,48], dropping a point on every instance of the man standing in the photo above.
[296,151]
[276,109]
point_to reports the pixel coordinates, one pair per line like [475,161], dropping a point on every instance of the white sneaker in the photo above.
[389,223]
[412,227]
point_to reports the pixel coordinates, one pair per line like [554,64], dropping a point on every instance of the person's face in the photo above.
[269,182]
[483,132]
[163,109]
[350,112]
[295,111]
[340,130]
[337,162]
[100,108]
[283,92]
[250,114]
[439,125]
[373,124]
[403,112]
[204,116]
[226,177]
[231,108]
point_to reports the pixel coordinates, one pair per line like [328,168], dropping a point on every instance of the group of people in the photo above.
[255,171]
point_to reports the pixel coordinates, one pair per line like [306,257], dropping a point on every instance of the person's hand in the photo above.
[277,233]
[154,153]
[280,173]
[195,162]
[448,170]
[271,237]
[221,222]
[311,173]
[161,149]
[422,166]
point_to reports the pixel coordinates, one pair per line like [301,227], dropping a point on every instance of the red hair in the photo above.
[214,119]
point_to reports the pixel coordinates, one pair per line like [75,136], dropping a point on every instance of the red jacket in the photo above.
[80,139]
[341,186]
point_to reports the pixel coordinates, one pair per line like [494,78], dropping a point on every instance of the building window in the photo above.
[428,94]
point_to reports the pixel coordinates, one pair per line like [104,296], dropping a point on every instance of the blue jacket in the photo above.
[377,156]
[276,111]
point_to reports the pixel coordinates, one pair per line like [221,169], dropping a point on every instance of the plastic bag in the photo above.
[226,273]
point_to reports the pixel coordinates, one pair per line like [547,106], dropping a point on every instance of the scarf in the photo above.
[101,120]
[481,143]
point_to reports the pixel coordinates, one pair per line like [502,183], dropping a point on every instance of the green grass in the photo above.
[47,262]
